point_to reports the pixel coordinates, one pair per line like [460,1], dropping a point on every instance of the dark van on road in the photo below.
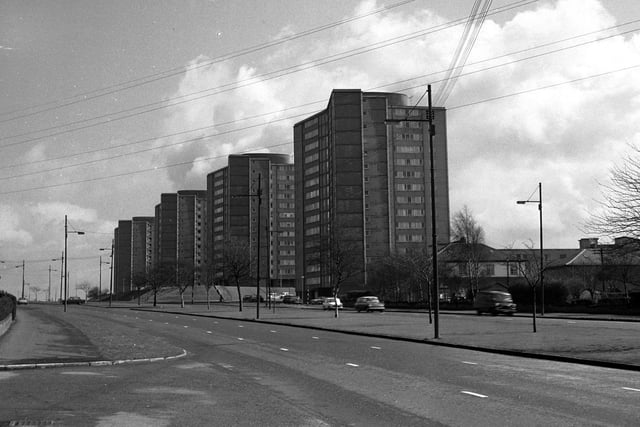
[494,302]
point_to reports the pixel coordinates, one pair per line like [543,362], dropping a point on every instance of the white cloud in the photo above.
[12,230]
[567,136]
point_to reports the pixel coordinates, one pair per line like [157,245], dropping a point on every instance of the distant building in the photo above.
[190,221]
[235,212]
[122,258]
[141,247]
[364,183]
[165,241]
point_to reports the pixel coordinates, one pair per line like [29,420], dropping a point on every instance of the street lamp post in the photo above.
[66,284]
[539,202]
[50,270]
[257,194]
[110,272]
[434,234]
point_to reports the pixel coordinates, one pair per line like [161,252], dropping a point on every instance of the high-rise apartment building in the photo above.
[191,218]
[122,258]
[165,241]
[141,248]
[363,186]
[251,200]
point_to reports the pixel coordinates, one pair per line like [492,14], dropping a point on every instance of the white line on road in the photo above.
[571,321]
[630,389]
[315,338]
[469,363]
[240,326]
[240,339]
[376,347]
[272,331]
[226,366]
[352,364]
[470,393]
[185,326]
[284,349]
[209,332]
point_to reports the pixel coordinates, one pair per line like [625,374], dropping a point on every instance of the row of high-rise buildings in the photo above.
[359,182]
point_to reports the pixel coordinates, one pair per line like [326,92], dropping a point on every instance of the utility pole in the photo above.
[434,233]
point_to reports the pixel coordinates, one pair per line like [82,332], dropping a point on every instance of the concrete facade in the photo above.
[363,186]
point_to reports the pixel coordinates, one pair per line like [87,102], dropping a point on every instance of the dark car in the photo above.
[369,303]
[252,298]
[494,302]
[75,300]
[291,299]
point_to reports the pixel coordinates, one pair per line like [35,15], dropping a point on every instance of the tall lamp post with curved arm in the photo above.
[539,202]
[66,257]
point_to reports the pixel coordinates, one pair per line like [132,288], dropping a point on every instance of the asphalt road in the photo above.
[245,373]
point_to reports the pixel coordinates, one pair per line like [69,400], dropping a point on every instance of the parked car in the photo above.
[252,298]
[75,300]
[316,301]
[330,303]
[291,299]
[23,301]
[369,303]
[494,302]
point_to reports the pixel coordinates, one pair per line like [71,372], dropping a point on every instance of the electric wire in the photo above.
[119,87]
[190,162]
[199,138]
[155,106]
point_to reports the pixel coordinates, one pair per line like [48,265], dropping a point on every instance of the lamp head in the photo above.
[521,202]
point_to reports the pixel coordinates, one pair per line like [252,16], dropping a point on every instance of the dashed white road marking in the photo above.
[272,331]
[353,365]
[469,363]
[630,389]
[571,321]
[284,349]
[226,366]
[240,339]
[315,338]
[185,326]
[376,347]
[470,393]
[240,326]
[166,323]
[209,332]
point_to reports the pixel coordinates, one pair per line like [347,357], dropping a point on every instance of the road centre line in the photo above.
[470,393]
[352,365]
[315,338]
[209,332]
[630,389]
[284,349]
[469,363]
[376,347]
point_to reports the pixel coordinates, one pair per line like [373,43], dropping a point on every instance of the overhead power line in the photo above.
[208,136]
[167,166]
[119,87]
[201,94]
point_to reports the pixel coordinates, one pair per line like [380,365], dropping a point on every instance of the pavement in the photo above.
[44,337]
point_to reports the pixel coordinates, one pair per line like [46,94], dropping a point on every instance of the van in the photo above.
[494,302]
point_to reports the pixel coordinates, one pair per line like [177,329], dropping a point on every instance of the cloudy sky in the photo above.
[106,105]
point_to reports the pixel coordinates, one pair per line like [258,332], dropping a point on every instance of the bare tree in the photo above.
[620,208]
[237,263]
[159,277]
[85,286]
[531,269]
[339,261]
[466,230]
[183,279]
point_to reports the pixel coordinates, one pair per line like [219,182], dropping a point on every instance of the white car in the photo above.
[23,301]
[330,303]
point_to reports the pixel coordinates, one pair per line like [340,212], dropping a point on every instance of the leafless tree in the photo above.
[530,268]
[620,205]
[159,277]
[183,279]
[237,263]
[85,286]
[466,230]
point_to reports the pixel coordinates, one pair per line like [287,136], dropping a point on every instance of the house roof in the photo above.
[457,252]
